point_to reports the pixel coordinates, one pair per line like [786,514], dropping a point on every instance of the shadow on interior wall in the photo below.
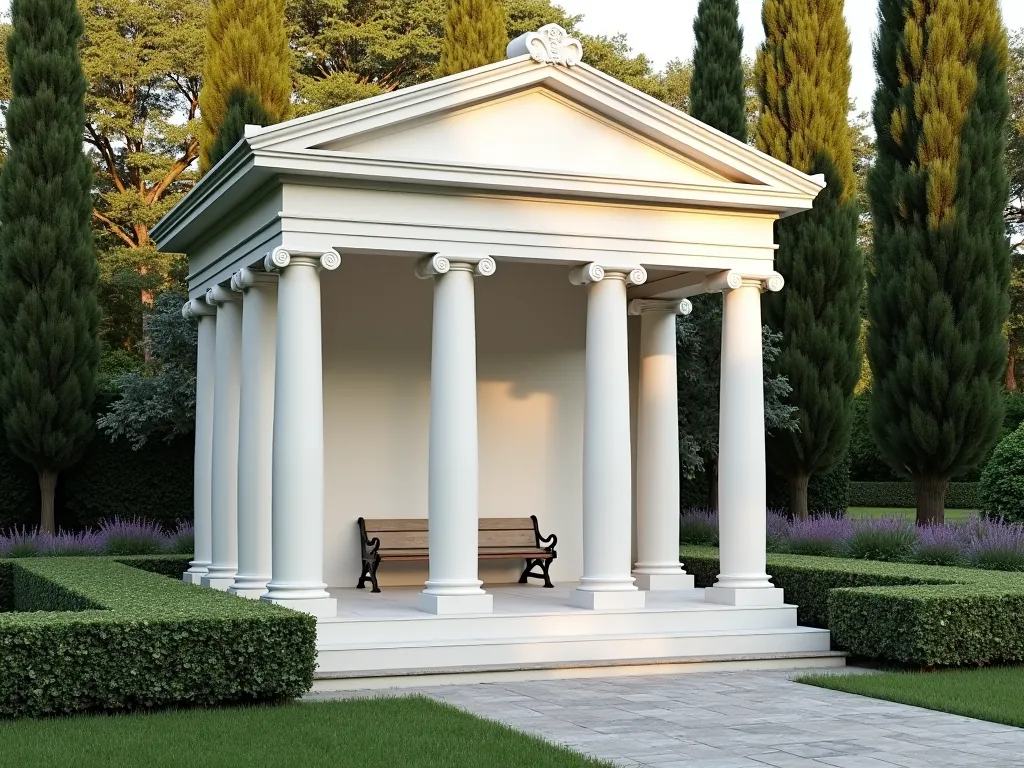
[110,480]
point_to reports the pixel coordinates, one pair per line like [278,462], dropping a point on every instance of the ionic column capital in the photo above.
[731,280]
[595,273]
[279,259]
[246,278]
[673,306]
[439,264]
[218,296]
[197,308]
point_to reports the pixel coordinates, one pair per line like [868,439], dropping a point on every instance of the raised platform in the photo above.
[532,628]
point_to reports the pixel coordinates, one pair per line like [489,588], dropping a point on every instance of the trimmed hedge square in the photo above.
[925,615]
[95,634]
[902,494]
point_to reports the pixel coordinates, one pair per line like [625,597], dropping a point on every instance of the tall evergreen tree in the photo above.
[803,77]
[937,300]
[717,94]
[49,314]
[474,35]
[243,109]
[246,51]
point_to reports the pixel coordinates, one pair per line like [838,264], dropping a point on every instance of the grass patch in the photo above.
[995,694]
[363,733]
[952,515]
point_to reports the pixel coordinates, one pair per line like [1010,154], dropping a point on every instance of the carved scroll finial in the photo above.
[548,45]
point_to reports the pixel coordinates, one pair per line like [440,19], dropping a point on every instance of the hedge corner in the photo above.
[923,615]
[95,634]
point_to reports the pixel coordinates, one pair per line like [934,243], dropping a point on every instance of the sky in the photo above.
[663,29]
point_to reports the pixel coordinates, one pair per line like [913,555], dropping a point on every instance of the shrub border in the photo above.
[150,642]
[924,615]
[902,494]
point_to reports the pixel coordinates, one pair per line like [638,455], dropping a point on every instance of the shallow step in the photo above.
[417,655]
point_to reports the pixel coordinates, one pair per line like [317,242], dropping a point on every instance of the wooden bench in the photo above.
[501,538]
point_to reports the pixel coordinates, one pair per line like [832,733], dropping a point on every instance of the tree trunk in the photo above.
[47,491]
[1011,375]
[798,495]
[931,499]
[712,475]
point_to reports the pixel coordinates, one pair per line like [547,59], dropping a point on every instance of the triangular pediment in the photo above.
[536,129]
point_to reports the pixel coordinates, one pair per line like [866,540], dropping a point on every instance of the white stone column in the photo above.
[742,503]
[453,586]
[256,430]
[202,478]
[221,573]
[657,450]
[297,537]
[607,459]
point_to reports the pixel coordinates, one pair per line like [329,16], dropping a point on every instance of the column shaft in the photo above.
[203,459]
[256,431]
[225,439]
[657,451]
[741,456]
[607,460]
[297,538]
[453,585]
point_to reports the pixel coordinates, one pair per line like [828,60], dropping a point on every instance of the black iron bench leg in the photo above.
[546,564]
[373,572]
[364,576]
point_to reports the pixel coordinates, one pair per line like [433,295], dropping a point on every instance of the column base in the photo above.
[193,577]
[747,597]
[249,592]
[219,580]
[455,605]
[663,582]
[321,607]
[607,601]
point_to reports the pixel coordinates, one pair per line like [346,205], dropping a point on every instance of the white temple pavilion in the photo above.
[457,303]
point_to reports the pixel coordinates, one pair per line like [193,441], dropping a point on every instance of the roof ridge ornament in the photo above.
[550,44]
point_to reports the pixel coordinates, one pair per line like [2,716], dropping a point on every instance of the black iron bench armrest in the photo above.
[546,543]
[370,546]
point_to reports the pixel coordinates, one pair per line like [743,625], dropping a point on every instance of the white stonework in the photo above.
[548,45]
[379,395]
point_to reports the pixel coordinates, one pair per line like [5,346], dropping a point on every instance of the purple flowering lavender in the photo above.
[823,536]
[135,536]
[181,541]
[698,526]
[943,544]
[888,538]
[997,546]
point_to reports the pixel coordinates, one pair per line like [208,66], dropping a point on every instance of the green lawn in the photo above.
[952,515]
[362,733]
[989,693]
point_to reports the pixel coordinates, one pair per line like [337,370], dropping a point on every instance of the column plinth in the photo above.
[607,484]
[256,431]
[206,316]
[226,390]
[742,482]
[297,476]
[657,452]
[453,586]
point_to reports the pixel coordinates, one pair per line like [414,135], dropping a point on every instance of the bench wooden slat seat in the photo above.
[500,538]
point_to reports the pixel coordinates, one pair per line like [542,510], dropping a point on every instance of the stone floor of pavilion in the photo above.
[380,636]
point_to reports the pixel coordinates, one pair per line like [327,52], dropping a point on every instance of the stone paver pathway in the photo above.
[733,720]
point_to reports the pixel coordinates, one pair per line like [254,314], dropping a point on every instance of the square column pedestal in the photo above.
[744,596]
[607,601]
[455,605]
[663,582]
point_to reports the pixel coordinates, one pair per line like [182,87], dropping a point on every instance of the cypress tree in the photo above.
[937,299]
[717,95]
[803,77]
[49,313]
[246,51]
[474,35]
[718,98]
[243,109]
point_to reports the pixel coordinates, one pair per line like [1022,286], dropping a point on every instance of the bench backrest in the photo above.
[495,533]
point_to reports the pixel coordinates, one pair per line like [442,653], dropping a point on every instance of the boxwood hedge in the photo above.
[96,634]
[922,615]
[902,494]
